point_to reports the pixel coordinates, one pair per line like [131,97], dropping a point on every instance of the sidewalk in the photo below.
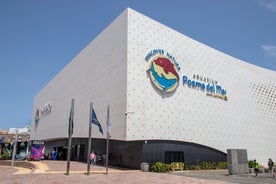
[223,175]
[49,171]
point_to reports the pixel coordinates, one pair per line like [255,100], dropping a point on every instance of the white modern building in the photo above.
[171,99]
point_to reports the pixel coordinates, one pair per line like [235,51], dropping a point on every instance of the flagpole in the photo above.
[107,139]
[89,139]
[70,136]
[14,147]
[107,145]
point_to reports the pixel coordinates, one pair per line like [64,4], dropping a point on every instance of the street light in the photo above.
[14,147]
[126,113]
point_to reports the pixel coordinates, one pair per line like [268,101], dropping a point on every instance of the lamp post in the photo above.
[14,148]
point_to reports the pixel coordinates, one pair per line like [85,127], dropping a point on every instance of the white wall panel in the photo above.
[188,114]
[98,75]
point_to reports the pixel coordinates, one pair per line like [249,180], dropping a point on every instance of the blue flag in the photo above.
[95,121]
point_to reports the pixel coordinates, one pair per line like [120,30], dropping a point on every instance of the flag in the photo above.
[71,117]
[108,124]
[95,121]
[71,123]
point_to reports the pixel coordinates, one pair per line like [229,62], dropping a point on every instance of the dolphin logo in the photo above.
[164,83]
[166,65]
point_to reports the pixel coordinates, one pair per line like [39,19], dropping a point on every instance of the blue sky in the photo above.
[39,37]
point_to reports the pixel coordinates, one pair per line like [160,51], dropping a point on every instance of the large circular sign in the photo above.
[163,74]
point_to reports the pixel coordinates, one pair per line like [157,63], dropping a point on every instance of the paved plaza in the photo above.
[37,172]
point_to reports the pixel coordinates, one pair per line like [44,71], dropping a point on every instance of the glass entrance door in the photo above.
[174,156]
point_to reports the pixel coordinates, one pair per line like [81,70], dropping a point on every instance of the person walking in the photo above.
[256,168]
[270,167]
[92,158]
[95,159]
[54,154]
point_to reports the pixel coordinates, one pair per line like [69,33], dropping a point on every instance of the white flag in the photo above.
[108,124]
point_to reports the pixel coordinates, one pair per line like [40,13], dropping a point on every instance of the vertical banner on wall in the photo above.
[37,150]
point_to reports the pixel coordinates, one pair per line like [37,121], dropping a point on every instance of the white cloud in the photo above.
[268,4]
[269,50]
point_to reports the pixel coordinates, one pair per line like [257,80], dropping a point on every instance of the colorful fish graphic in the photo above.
[167,66]
[163,74]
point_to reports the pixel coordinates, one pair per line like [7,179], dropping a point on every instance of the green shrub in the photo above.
[160,167]
[207,166]
[222,165]
[192,167]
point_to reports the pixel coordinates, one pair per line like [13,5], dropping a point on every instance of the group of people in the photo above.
[270,167]
[94,158]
